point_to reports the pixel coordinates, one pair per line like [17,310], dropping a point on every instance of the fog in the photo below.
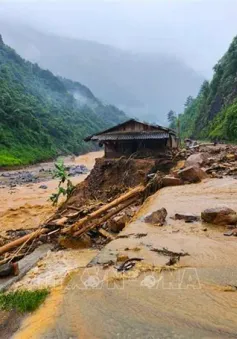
[197,31]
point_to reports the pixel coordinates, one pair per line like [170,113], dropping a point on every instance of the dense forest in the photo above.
[41,115]
[213,113]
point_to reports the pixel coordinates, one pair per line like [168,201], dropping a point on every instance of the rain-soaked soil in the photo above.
[197,298]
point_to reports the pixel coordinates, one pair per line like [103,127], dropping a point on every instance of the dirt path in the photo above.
[193,301]
[26,206]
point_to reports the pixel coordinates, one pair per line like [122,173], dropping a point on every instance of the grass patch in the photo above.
[23,301]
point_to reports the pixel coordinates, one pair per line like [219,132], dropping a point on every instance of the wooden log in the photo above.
[20,241]
[106,234]
[134,192]
[102,220]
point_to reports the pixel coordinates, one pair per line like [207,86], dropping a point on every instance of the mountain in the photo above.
[144,85]
[41,115]
[213,113]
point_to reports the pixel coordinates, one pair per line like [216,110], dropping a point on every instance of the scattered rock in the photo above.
[186,217]
[192,174]
[171,181]
[204,229]
[44,187]
[196,160]
[117,224]
[228,233]
[231,232]
[219,216]
[21,233]
[76,170]
[157,218]
[75,243]
[9,269]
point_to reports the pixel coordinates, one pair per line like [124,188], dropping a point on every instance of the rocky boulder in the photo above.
[219,216]
[157,218]
[171,181]
[192,174]
[196,160]
[117,223]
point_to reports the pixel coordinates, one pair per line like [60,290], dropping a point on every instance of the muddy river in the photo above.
[196,299]
[28,205]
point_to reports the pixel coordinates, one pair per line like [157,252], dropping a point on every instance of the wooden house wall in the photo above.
[115,149]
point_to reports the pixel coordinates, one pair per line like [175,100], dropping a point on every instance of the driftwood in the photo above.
[104,218]
[85,224]
[132,193]
[22,240]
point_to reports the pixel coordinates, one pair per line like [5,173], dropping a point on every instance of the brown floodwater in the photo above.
[196,299]
[27,206]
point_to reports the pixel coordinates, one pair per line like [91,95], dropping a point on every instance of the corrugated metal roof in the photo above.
[131,136]
[113,129]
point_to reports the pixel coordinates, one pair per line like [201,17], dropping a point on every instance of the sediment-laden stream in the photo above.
[27,205]
[196,300]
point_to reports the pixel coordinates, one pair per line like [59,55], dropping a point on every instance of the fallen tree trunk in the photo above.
[104,218]
[20,241]
[132,193]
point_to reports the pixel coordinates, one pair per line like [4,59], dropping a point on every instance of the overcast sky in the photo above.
[199,31]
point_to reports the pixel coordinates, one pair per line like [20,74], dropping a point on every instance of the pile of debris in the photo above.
[100,206]
[217,161]
[97,210]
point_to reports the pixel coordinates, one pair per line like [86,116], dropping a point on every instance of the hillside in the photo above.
[41,115]
[144,85]
[213,114]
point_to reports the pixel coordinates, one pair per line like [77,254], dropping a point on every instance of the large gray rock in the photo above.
[192,174]
[197,160]
[157,218]
[219,216]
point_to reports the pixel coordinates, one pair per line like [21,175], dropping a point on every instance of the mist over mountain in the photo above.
[43,116]
[143,85]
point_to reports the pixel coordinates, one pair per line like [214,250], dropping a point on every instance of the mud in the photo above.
[195,299]
[27,206]
[111,178]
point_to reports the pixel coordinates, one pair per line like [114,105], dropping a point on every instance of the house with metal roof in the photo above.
[135,138]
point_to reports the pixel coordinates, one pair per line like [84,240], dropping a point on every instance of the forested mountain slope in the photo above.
[213,114]
[144,85]
[41,115]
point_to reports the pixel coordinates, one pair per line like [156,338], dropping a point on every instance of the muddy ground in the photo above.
[195,299]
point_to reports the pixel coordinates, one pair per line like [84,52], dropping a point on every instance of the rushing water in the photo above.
[193,301]
[28,205]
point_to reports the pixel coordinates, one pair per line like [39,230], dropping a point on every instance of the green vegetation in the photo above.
[39,116]
[23,301]
[213,114]
[61,173]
